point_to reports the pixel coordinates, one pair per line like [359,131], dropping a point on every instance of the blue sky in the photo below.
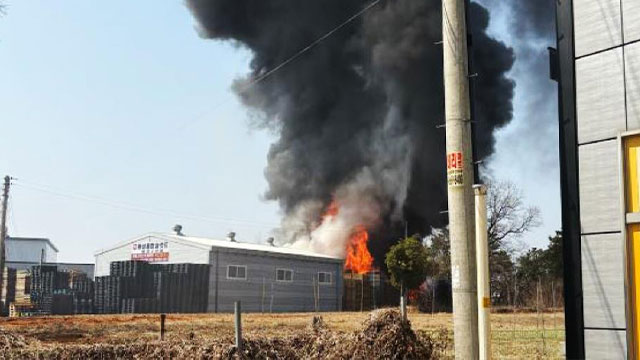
[123,102]
[117,100]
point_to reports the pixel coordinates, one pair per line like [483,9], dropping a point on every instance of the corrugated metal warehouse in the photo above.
[599,75]
[264,277]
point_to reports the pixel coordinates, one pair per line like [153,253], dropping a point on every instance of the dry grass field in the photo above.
[521,335]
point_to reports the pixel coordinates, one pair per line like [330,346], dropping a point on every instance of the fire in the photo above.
[358,260]
[332,210]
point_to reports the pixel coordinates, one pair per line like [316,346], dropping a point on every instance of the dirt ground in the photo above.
[513,334]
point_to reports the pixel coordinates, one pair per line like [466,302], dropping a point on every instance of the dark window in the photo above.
[285,275]
[324,278]
[237,272]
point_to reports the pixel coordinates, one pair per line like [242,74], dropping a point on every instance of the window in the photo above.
[324,278]
[285,275]
[238,272]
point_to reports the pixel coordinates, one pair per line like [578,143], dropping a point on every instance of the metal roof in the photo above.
[208,243]
[33,239]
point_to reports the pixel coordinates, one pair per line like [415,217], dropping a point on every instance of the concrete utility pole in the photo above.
[484,297]
[3,227]
[460,178]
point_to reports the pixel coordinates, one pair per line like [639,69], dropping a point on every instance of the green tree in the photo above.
[408,266]
[539,274]
[439,254]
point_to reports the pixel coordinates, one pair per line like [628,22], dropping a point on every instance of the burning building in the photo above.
[265,277]
[359,151]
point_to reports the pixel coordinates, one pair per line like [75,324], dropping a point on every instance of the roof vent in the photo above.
[231,236]
[270,241]
[178,230]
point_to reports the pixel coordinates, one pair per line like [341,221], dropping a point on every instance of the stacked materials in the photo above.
[140,287]
[15,288]
[43,283]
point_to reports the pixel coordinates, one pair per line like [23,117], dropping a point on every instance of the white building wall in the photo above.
[178,253]
[30,250]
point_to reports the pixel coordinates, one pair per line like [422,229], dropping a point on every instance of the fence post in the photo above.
[238,326]
[163,317]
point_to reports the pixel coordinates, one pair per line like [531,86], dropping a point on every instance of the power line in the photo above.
[135,208]
[289,60]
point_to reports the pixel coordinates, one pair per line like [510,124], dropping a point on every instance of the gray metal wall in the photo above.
[261,292]
[607,70]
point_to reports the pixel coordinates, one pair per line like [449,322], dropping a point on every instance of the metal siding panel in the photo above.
[600,96]
[632,78]
[26,250]
[605,344]
[599,187]
[51,255]
[631,16]
[261,271]
[597,25]
[603,281]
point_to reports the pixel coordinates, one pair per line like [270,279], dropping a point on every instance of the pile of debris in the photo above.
[383,336]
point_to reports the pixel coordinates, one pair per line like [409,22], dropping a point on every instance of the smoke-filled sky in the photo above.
[357,117]
[135,107]
[527,149]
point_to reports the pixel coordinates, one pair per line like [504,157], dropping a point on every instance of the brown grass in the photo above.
[514,335]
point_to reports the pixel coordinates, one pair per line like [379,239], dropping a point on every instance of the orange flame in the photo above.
[332,210]
[358,260]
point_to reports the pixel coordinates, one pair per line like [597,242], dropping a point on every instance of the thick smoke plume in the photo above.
[357,116]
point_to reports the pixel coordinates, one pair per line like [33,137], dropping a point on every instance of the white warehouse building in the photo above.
[264,277]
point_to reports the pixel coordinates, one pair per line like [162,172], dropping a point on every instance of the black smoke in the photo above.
[359,113]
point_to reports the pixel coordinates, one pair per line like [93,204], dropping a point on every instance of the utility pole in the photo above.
[482,252]
[460,177]
[3,228]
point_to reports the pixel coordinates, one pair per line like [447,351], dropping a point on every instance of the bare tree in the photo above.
[508,217]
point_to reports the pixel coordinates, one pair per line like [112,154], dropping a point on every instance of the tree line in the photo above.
[529,278]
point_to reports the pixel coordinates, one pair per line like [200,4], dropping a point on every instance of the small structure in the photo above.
[32,250]
[265,277]
[24,252]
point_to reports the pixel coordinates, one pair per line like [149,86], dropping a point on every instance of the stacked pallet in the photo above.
[62,303]
[60,292]
[140,287]
[15,289]
[23,287]
[83,303]
[8,288]
[357,292]
[80,283]
[18,310]
[43,283]
[363,292]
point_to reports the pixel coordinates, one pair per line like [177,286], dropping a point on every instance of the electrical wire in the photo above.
[23,184]
[286,62]
[135,208]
